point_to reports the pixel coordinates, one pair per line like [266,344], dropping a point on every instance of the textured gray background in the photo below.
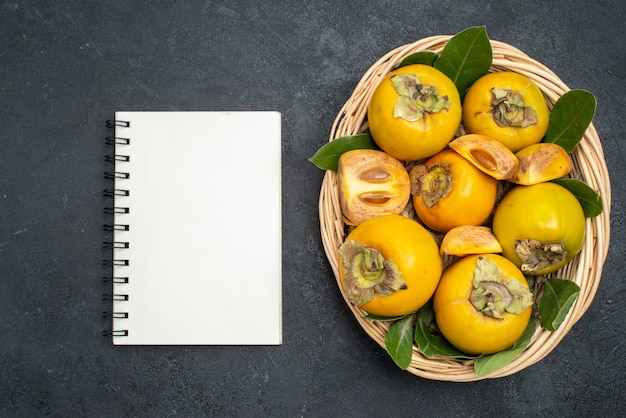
[66,66]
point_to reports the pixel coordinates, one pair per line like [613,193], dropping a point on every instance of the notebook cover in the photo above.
[204,244]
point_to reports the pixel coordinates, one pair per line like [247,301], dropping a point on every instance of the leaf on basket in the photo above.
[570,117]
[431,345]
[492,362]
[558,297]
[466,57]
[589,199]
[373,317]
[399,341]
[327,157]
[420,57]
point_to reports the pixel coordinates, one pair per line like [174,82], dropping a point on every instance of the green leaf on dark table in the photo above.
[570,117]
[431,345]
[466,57]
[420,57]
[327,157]
[399,341]
[558,297]
[589,199]
[489,363]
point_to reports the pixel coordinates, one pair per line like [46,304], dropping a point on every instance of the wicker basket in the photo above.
[589,166]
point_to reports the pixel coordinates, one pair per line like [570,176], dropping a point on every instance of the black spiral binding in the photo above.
[113,210]
[116,141]
[115,333]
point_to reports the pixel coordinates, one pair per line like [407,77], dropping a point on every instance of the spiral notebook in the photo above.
[196,245]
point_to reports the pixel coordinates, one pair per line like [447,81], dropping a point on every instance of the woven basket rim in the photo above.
[589,166]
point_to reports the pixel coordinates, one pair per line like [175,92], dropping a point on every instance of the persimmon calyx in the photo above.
[493,294]
[536,255]
[509,109]
[416,99]
[368,273]
[432,183]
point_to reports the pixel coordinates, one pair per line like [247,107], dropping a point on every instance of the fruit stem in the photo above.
[509,109]
[493,294]
[368,273]
[536,255]
[416,99]
[432,183]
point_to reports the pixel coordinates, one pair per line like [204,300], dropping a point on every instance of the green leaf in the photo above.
[558,297]
[431,345]
[570,117]
[489,363]
[421,57]
[373,317]
[589,199]
[327,157]
[466,57]
[399,341]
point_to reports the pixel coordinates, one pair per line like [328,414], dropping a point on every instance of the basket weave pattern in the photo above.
[588,166]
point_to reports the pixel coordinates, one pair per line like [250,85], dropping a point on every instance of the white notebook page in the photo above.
[204,239]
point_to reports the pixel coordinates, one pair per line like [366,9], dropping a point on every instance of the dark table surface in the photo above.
[66,66]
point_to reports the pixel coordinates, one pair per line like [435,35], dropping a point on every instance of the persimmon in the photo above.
[390,266]
[414,112]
